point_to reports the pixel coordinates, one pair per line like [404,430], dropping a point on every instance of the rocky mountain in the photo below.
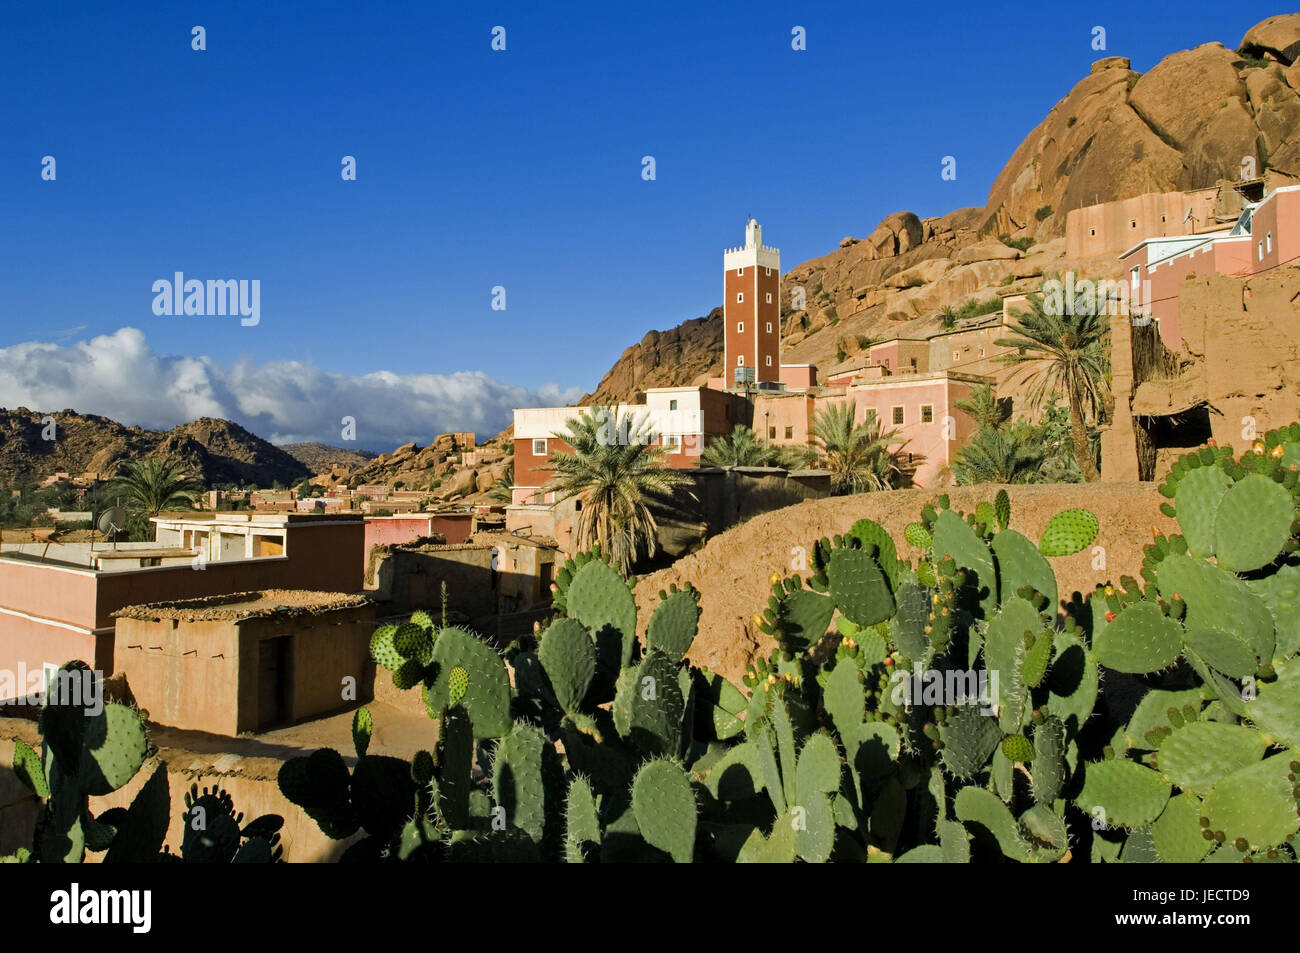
[445,469]
[321,457]
[1188,122]
[219,451]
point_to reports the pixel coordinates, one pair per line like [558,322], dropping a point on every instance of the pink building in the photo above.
[1265,236]
[57,600]
[923,409]
[406,527]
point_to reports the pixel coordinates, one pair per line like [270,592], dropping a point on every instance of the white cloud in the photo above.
[119,376]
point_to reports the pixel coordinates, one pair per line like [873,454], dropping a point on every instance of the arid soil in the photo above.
[733,571]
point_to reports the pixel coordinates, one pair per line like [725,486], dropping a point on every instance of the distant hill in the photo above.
[218,451]
[322,458]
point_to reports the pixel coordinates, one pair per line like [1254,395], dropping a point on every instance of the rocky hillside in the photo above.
[217,450]
[442,468]
[1186,123]
[321,457]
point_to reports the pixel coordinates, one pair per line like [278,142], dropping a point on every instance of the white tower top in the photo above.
[753,253]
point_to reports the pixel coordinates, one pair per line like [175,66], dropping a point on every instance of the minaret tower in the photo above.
[751,310]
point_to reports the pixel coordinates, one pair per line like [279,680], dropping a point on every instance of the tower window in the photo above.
[769,297]
[768,360]
[767,272]
[740,360]
[740,271]
[1092,231]
[1133,224]
[1261,251]
[740,297]
[1268,243]
[769,324]
[740,327]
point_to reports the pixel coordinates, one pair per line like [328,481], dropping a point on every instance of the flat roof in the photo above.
[238,606]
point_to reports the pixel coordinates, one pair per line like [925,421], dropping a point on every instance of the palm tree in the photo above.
[984,408]
[741,448]
[500,491]
[152,485]
[613,471]
[1000,455]
[1064,354]
[857,455]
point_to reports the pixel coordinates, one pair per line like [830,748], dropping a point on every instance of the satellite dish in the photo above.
[112,521]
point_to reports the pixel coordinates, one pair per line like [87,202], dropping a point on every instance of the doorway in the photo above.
[274,662]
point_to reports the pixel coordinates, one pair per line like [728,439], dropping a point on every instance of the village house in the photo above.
[1265,235]
[248,661]
[57,599]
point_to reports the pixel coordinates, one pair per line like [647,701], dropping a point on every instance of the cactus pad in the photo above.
[1129,794]
[673,623]
[664,805]
[858,587]
[1252,523]
[1068,532]
[1140,639]
[568,657]
[488,701]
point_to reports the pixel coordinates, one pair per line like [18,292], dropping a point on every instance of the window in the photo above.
[1092,231]
[789,433]
[1261,251]
[672,405]
[771,433]
[1268,243]
[740,360]
[927,413]
[1133,224]
[739,272]
[740,327]
[769,297]
[740,297]
[539,446]
[981,352]
[769,324]
[898,415]
[768,360]
[767,272]
[1135,279]
[672,441]
[956,355]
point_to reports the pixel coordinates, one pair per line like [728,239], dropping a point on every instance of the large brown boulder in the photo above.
[1278,36]
[1213,129]
[897,234]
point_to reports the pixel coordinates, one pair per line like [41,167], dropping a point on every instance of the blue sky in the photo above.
[475,169]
